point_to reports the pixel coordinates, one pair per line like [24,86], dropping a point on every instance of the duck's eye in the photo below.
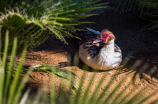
[104,35]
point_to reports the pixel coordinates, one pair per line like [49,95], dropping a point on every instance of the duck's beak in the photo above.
[97,41]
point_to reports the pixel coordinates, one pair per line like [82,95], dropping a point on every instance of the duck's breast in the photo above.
[108,58]
[105,61]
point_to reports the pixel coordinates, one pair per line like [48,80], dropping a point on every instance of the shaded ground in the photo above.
[142,45]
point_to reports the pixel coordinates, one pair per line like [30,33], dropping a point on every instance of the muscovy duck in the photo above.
[98,50]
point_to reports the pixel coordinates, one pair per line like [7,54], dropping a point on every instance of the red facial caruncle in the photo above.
[104,36]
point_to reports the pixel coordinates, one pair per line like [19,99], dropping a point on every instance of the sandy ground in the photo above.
[141,45]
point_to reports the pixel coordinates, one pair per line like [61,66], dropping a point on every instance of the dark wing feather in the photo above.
[117,48]
[94,50]
[87,39]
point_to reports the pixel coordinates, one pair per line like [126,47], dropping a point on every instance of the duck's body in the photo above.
[101,55]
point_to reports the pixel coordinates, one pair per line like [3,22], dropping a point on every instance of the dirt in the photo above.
[135,44]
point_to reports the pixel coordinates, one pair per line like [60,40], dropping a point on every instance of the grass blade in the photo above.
[10,68]
[15,91]
[4,64]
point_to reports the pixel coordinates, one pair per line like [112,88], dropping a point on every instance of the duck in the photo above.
[98,49]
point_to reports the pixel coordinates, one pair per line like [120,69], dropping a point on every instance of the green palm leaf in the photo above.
[43,16]
[62,73]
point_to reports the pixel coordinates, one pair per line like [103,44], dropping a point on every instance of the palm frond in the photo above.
[62,73]
[32,20]
[147,8]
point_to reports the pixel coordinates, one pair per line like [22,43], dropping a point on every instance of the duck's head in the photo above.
[106,37]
